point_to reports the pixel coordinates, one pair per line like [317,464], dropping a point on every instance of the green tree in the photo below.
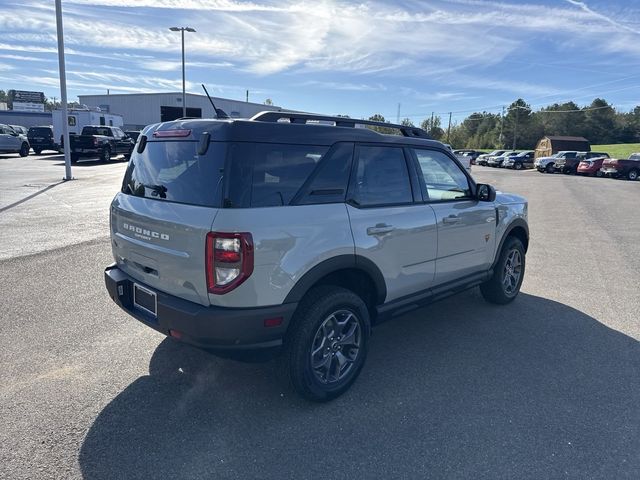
[433,127]
[407,123]
[600,122]
[522,129]
[380,118]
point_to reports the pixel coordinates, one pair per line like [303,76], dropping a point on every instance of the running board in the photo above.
[411,302]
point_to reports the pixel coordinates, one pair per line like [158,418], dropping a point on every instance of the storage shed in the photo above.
[551,144]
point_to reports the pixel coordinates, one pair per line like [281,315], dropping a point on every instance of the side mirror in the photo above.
[485,193]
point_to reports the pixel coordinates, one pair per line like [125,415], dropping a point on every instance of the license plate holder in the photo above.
[145,299]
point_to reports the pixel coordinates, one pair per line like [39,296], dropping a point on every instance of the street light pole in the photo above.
[63,93]
[184,95]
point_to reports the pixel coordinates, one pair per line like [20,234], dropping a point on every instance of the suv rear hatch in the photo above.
[159,221]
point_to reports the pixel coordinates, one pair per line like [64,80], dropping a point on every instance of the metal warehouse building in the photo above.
[141,109]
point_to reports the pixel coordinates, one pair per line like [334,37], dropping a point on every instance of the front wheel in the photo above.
[504,284]
[37,151]
[327,346]
[24,149]
[517,166]
[550,168]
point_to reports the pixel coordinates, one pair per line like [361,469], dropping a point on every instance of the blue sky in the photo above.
[355,58]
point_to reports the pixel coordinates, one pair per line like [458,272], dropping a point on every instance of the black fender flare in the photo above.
[518,222]
[334,264]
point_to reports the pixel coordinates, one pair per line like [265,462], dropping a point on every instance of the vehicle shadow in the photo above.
[88,162]
[460,389]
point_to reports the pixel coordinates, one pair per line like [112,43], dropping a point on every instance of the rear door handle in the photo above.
[380,229]
[451,219]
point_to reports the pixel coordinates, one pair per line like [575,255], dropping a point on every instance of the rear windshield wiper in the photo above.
[157,190]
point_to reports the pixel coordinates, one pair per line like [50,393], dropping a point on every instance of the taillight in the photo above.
[229,260]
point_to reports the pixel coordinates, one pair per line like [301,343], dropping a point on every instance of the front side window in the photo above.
[381,177]
[443,178]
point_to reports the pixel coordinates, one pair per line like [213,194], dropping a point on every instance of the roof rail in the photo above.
[304,118]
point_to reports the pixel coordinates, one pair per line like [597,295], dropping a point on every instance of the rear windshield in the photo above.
[42,131]
[173,171]
[96,131]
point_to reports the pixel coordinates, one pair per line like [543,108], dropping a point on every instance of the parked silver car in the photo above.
[12,141]
[277,235]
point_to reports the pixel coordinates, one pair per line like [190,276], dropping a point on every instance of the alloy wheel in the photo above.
[336,346]
[512,272]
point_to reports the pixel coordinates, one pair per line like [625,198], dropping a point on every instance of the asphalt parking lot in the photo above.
[546,387]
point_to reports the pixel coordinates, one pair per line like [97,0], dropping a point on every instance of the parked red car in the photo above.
[591,166]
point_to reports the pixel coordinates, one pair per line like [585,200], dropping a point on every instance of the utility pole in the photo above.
[63,93]
[398,116]
[501,138]
[515,129]
[247,96]
[449,127]
[184,95]
[430,132]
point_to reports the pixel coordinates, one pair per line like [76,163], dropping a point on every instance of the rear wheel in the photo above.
[599,174]
[517,166]
[327,346]
[550,168]
[74,157]
[632,175]
[504,285]
[24,149]
[105,156]
[37,151]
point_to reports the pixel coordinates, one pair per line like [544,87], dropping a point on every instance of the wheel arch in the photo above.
[353,272]
[517,228]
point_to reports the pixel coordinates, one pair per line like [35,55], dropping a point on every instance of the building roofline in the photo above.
[173,93]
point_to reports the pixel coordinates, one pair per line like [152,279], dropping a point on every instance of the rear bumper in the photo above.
[229,332]
[610,172]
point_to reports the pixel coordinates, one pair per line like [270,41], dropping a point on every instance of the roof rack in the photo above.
[304,118]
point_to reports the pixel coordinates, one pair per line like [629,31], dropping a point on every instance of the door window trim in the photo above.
[354,173]
[423,185]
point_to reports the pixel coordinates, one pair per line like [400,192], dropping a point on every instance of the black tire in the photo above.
[550,168]
[74,157]
[517,166]
[314,311]
[37,151]
[599,174]
[494,289]
[105,155]
[632,174]
[24,149]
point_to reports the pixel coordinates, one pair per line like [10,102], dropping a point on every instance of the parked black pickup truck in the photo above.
[102,141]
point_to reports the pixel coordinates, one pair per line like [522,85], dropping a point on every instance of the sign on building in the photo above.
[28,107]
[24,96]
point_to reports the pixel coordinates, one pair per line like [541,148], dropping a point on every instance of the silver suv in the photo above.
[292,234]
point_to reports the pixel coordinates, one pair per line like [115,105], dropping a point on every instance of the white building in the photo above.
[141,109]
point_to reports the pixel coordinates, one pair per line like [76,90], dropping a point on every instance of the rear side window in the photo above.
[381,177]
[269,174]
[328,184]
[173,171]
